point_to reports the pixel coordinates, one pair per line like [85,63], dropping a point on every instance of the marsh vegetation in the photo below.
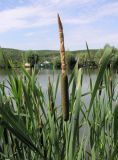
[33,126]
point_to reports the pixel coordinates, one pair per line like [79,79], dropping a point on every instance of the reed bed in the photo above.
[33,128]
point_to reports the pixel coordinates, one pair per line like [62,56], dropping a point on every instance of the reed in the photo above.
[50,95]
[32,127]
[64,77]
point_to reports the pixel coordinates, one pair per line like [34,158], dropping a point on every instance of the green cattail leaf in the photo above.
[75,119]
[50,96]
[93,156]
[74,73]
[26,73]
[57,84]
[80,150]
[15,125]
[105,61]
[89,55]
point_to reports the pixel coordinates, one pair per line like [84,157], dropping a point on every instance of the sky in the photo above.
[32,24]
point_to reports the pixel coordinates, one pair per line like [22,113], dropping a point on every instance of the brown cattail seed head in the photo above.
[65,96]
[64,78]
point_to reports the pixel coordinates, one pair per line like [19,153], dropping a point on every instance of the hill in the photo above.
[19,57]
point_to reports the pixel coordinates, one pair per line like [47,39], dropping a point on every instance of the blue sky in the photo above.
[32,24]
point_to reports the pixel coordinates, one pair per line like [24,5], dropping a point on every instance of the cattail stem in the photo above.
[64,78]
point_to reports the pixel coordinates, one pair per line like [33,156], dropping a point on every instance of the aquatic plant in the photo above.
[64,77]
[33,127]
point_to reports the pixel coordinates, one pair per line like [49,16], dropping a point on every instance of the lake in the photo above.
[42,79]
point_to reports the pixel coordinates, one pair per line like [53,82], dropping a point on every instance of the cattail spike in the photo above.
[65,96]
[62,48]
[64,78]
[59,23]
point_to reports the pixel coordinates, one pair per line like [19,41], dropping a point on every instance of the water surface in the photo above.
[42,79]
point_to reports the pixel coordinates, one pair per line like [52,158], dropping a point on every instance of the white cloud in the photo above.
[70,2]
[35,15]
[96,38]
[110,9]
[40,15]
[30,34]
[26,17]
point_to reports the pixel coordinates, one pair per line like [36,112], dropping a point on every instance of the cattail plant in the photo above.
[64,77]
[50,95]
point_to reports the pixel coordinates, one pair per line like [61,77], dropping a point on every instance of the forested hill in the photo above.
[19,57]
[41,53]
